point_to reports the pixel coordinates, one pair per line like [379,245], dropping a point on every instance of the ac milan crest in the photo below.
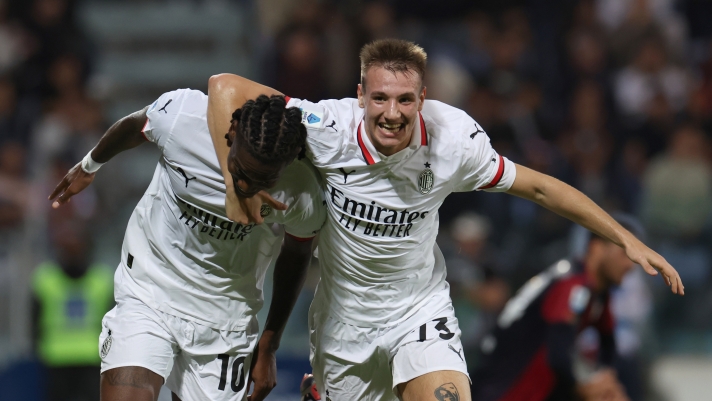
[425,180]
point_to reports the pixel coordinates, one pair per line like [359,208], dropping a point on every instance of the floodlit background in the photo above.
[611,96]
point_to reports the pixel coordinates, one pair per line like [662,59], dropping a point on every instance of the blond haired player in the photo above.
[382,321]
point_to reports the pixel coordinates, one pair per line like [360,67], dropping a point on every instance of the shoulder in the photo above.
[321,115]
[566,298]
[182,100]
[299,186]
[329,124]
[450,123]
[300,177]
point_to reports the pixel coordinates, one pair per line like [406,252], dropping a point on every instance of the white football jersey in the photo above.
[378,256]
[181,255]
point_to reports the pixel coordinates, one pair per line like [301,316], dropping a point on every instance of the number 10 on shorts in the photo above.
[238,369]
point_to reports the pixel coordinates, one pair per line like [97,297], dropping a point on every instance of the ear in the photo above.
[230,136]
[359,94]
[422,99]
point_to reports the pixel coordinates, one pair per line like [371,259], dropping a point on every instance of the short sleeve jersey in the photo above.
[378,254]
[181,254]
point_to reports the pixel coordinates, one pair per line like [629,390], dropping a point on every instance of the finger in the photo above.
[679,288]
[273,203]
[59,203]
[66,195]
[239,219]
[249,386]
[648,268]
[260,393]
[254,209]
[59,188]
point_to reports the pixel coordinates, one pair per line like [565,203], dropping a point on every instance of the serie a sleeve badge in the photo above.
[426,179]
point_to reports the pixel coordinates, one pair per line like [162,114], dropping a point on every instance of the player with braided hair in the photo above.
[190,280]
[269,132]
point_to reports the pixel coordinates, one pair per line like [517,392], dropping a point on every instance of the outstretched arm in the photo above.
[227,93]
[123,135]
[568,202]
[290,271]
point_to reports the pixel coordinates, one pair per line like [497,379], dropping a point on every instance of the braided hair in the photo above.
[272,132]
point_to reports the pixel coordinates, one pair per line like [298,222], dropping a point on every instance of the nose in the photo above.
[392,110]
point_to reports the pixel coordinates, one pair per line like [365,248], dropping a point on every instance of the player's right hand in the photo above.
[248,210]
[73,183]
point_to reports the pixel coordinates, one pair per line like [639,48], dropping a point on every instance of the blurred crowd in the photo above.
[48,120]
[611,96]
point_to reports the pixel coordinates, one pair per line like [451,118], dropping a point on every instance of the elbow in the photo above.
[223,82]
[544,188]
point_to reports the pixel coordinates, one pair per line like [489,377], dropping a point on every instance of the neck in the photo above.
[594,276]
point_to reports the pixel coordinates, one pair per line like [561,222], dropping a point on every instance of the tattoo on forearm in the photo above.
[128,377]
[447,392]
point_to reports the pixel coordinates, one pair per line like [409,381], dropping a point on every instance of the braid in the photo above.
[272,132]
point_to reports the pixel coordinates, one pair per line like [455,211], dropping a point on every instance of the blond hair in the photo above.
[395,55]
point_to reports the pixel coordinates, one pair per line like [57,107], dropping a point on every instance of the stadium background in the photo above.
[611,96]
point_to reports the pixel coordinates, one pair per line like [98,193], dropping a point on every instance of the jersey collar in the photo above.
[372,156]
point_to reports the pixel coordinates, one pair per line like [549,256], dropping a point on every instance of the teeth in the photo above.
[391,126]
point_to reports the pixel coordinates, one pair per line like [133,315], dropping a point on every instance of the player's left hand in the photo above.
[653,263]
[263,372]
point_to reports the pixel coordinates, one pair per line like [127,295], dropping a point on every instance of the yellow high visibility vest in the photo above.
[71,313]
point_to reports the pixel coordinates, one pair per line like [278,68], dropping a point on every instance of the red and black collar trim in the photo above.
[423,132]
[366,154]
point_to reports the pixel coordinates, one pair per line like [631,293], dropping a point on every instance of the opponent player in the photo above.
[382,322]
[190,281]
[530,355]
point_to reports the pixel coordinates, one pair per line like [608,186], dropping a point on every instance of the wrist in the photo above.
[269,341]
[89,165]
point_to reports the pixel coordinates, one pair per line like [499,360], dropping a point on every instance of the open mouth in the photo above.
[391,128]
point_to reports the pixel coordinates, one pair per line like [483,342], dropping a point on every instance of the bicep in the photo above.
[535,186]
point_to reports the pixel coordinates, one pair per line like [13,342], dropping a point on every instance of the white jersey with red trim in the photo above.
[181,255]
[378,256]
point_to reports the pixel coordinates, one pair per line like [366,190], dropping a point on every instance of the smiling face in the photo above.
[391,102]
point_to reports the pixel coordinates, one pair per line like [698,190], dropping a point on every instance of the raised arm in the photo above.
[123,135]
[226,93]
[568,202]
[290,271]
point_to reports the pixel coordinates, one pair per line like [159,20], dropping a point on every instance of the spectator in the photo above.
[473,276]
[650,77]
[678,187]
[71,295]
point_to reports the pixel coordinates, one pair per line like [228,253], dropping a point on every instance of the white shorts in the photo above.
[355,363]
[196,362]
